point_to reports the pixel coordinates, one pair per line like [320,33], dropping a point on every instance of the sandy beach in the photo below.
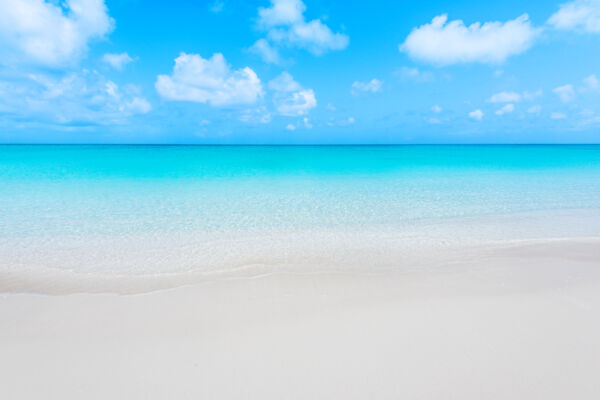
[520,321]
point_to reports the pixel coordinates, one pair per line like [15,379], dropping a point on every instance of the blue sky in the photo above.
[299,71]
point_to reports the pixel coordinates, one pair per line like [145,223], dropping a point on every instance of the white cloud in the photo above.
[433,121]
[290,98]
[284,82]
[449,43]
[558,115]
[209,81]
[75,98]
[266,51]
[508,108]
[285,24]
[415,74]
[534,109]
[581,15]
[297,103]
[351,120]
[566,93]
[49,34]
[307,123]
[529,96]
[290,127]
[282,12]
[476,115]
[505,97]
[514,97]
[436,109]
[257,115]
[373,86]
[591,83]
[117,61]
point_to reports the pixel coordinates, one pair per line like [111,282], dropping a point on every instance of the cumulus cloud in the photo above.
[284,82]
[476,114]
[209,81]
[442,42]
[508,108]
[285,25]
[49,34]
[558,115]
[373,86]
[580,15]
[117,61]
[83,97]
[566,93]
[436,109]
[266,51]
[591,83]
[534,109]
[290,98]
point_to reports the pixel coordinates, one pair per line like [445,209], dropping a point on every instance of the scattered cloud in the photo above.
[257,115]
[209,81]
[117,61]
[578,15]
[285,25]
[505,97]
[508,108]
[530,96]
[290,98]
[514,97]
[83,97]
[566,93]
[436,109]
[284,82]
[415,74]
[290,127]
[373,86]
[330,107]
[51,33]
[558,115]
[307,123]
[266,51]
[442,42]
[591,83]
[476,115]
[534,109]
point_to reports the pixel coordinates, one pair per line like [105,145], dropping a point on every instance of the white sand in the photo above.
[513,322]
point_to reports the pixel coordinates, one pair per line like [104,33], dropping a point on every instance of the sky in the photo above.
[299,71]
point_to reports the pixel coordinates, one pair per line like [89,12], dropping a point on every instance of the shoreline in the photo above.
[69,282]
[140,263]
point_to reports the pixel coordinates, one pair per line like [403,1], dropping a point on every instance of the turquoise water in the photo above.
[49,190]
[72,216]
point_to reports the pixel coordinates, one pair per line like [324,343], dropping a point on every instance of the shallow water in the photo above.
[167,209]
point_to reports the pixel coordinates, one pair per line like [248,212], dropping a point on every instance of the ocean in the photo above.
[135,210]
